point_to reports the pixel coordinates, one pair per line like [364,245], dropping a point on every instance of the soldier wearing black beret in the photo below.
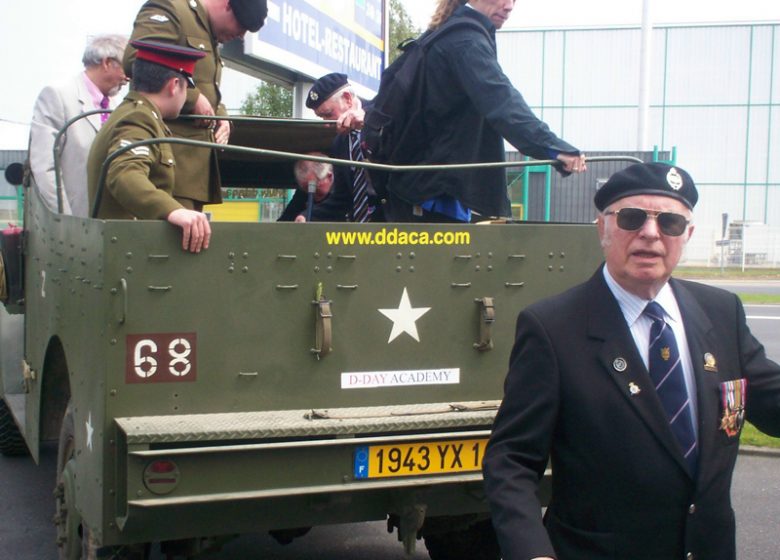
[352,197]
[634,386]
[203,25]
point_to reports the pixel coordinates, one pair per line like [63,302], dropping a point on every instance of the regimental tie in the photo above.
[667,374]
[104,105]
[359,181]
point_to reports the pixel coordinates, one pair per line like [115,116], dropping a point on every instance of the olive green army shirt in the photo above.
[140,181]
[186,23]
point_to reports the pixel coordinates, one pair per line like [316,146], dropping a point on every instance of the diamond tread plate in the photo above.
[303,423]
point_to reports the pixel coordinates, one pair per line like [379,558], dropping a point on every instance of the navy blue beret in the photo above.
[250,14]
[323,88]
[648,178]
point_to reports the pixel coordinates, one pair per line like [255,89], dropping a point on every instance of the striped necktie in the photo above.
[667,374]
[359,181]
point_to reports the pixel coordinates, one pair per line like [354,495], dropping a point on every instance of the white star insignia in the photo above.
[90,431]
[404,318]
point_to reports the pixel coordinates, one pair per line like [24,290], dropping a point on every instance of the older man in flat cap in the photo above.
[352,198]
[139,183]
[203,25]
[635,385]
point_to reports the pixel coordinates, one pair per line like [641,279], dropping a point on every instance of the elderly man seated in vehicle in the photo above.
[315,173]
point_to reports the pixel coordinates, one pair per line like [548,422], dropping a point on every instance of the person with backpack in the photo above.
[467,106]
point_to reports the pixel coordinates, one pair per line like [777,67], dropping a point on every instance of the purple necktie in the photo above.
[104,105]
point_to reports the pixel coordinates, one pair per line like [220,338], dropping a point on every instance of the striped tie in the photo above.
[667,374]
[359,181]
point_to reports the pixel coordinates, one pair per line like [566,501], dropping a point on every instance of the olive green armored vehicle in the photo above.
[290,376]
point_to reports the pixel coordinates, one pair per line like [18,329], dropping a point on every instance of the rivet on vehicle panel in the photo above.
[551,255]
[245,255]
[114,291]
[330,255]
[490,268]
[231,255]
[412,255]
[329,269]
[477,268]
[114,240]
[112,392]
[561,268]
[398,269]
[316,269]
[245,269]
[411,269]
[231,268]
[399,255]
[563,255]
[490,255]
[316,255]
[113,341]
[550,268]
[129,255]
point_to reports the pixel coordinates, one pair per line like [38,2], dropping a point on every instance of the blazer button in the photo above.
[692,509]
[689,556]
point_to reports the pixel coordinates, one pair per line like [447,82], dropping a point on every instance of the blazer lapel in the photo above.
[701,341]
[621,361]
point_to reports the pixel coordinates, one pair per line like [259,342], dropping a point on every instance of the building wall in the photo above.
[715,97]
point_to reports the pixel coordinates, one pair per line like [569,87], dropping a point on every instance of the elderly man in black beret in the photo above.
[635,386]
[200,24]
[352,198]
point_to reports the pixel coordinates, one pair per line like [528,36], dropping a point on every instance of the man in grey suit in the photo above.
[95,88]
[636,386]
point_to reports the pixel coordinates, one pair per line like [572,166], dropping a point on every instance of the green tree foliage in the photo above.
[269,100]
[401,28]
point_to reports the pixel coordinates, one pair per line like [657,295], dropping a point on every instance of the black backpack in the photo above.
[394,127]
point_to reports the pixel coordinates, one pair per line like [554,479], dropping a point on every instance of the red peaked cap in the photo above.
[177,58]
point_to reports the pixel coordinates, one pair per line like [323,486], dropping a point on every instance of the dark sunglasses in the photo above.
[632,219]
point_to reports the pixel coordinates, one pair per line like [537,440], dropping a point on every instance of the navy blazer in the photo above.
[620,485]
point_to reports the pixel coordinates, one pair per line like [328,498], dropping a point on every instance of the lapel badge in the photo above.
[634,389]
[620,365]
[710,363]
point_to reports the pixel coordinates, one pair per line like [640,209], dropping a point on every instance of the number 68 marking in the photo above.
[161,357]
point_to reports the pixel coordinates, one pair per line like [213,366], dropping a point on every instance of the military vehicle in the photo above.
[292,375]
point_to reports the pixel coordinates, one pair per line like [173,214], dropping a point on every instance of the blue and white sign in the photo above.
[315,37]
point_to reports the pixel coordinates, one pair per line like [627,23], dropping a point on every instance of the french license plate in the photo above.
[419,458]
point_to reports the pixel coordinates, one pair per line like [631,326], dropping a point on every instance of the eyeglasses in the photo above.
[632,219]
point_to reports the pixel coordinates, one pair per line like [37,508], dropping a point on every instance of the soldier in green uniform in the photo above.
[199,24]
[140,182]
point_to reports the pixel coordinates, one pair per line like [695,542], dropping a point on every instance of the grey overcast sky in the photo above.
[41,41]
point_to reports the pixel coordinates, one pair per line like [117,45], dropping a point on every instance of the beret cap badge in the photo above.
[674,179]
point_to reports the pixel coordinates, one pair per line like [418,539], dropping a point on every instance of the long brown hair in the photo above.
[444,11]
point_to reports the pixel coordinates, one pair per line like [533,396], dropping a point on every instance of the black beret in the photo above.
[655,178]
[323,88]
[250,14]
